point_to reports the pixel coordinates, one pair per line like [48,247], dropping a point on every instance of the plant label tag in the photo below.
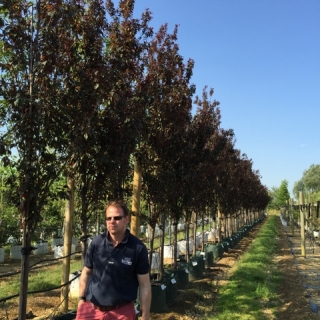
[163,287]
[173,281]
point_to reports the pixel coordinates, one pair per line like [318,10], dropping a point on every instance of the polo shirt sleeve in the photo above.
[142,266]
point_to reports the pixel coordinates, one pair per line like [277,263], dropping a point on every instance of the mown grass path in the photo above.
[252,289]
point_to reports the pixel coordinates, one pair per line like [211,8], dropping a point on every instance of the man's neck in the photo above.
[116,239]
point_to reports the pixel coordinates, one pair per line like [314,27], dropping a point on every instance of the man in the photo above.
[116,264]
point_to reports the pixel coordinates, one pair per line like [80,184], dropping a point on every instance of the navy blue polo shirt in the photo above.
[114,278]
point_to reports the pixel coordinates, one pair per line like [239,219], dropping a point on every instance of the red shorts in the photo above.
[86,311]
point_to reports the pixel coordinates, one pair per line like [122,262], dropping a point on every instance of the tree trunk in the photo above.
[151,245]
[202,223]
[302,213]
[84,220]
[219,224]
[195,216]
[67,242]
[135,218]
[25,263]
[163,222]
[175,242]
[187,222]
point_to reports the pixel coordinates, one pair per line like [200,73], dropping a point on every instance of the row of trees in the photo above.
[87,90]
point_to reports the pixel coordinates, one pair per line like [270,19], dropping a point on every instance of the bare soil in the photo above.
[198,301]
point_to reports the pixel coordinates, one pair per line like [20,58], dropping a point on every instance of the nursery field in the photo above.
[198,301]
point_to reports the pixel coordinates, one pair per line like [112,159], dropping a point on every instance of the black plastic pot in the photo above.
[209,259]
[171,286]
[182,277]
[158,300]
[231,242]
[214,248]
[225,246]
[196,268]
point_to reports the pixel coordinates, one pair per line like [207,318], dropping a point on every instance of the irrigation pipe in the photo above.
[40,291]
[3,275]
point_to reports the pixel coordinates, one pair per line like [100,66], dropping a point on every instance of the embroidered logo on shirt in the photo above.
[127,261]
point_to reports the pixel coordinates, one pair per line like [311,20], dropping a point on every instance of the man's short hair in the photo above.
[119,204]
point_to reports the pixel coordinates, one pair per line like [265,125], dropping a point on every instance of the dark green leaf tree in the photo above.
[299,186]
[309,184]
[273,194]
[283,194]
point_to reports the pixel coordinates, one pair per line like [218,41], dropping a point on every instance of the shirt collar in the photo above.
[124,240]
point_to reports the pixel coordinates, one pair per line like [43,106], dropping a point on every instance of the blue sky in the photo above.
[263,60]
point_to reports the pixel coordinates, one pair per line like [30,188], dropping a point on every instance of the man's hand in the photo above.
[145,317]
[81,300]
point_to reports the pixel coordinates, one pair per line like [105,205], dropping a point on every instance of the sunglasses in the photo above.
[117,218]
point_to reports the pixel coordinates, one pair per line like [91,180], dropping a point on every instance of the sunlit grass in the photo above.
[40,279]
[252,287]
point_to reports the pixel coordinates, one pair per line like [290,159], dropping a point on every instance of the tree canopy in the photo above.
[309,184]
[283,194]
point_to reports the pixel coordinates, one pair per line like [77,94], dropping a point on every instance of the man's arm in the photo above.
[145,295]
[83,281]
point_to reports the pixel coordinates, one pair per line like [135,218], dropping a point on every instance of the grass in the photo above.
[251,291]
[39,279]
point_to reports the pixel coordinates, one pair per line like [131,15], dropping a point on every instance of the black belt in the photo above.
[109,308]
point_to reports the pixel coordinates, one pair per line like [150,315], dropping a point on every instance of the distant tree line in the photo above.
[309,185]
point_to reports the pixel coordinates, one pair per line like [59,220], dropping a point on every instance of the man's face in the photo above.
[116,221]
